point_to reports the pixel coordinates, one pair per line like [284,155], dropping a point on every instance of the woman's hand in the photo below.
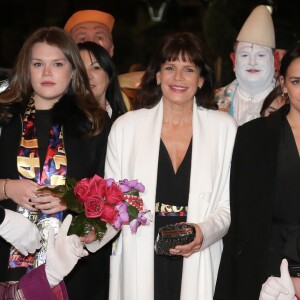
[89,238]
[22,191]
[188,249]
[47,203]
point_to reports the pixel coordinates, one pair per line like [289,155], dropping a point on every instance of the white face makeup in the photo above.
[254,67]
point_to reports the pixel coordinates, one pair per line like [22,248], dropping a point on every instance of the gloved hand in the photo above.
[20,232]
[279,288]
[63,252]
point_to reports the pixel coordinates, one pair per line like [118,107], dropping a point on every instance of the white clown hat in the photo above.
[258,28]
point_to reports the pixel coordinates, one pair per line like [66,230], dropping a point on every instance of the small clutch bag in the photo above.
[173,235]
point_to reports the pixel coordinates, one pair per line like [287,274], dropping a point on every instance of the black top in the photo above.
[253,182]
[2,214]
[286,217]
[172,189]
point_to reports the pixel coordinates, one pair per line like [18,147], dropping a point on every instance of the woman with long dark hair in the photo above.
[103,78]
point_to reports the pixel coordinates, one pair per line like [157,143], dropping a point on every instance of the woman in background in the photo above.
[273,101]
[103,79]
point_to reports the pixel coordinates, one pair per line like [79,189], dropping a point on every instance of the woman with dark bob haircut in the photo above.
[52,128]
[179,146]
[189,50]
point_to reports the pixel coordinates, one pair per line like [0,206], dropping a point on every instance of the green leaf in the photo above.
[82,225]
[133,192]
[57,191]
[132,212]
[70,183]
[72,202]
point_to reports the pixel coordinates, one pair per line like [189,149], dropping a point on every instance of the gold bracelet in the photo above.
[4,188]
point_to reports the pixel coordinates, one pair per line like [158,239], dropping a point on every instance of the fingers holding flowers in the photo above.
[105,201]
[47,203]
[89,237]
[98,204]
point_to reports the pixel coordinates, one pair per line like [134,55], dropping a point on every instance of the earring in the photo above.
[158,83]
[285,96]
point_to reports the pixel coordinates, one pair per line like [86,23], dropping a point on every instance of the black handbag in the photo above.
[173,235]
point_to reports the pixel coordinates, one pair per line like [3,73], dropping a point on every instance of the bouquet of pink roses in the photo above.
[98,201]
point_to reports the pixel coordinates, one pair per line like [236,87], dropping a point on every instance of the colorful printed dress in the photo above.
[172,194]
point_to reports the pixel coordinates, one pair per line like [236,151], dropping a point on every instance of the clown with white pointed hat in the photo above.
[253,63]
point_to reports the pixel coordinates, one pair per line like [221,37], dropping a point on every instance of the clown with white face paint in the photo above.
[253,62]
[254,67]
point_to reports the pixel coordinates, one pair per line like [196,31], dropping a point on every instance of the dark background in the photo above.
[136,34]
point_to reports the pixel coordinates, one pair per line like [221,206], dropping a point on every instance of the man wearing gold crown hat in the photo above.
[253,63]
[92,25]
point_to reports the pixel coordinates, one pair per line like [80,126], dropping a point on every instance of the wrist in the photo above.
[4,189]
[53,278]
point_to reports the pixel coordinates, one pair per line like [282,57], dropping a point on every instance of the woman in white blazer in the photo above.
[179,146]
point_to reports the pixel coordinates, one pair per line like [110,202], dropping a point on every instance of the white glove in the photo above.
[63,252]
[20,232]
[279,288]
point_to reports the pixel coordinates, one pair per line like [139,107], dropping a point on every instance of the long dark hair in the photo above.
[20,88]
[189,47]
[288,58]
[113,93]
[275,93]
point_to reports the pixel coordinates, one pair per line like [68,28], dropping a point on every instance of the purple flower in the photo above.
[123,215]
[109,181]
[126,185]
[143,218]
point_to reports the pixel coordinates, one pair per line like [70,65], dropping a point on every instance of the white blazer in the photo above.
[132,153]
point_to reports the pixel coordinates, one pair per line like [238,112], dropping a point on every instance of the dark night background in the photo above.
[136,34]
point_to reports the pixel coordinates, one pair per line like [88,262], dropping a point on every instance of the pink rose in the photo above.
[113,194]
[94,206]
[82,189]
[109,214]
[97,186]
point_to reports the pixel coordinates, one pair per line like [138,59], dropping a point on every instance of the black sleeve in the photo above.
[102,147]
[2,214]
